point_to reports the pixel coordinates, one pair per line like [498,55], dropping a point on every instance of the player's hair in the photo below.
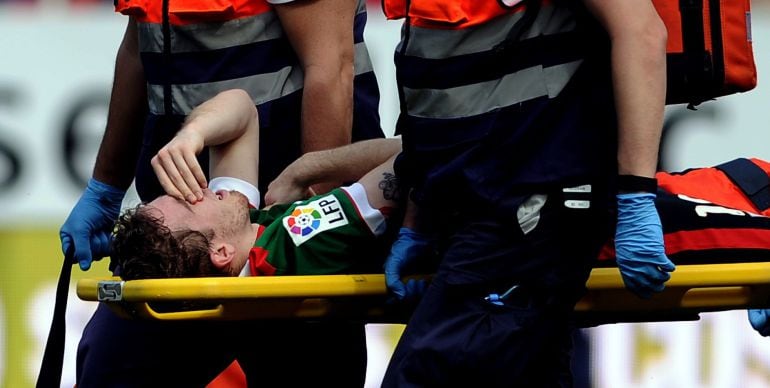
[144,248]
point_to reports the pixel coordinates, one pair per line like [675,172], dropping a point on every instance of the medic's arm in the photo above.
[86,234]
[638,44]
[638,39]
[321,33]
[119,150]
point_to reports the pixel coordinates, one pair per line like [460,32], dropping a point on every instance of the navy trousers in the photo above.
[458,338]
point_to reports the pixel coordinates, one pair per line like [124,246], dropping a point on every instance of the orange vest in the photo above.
[184,12]
[193,49]
[446,14]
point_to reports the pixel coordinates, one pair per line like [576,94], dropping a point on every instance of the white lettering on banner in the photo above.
[307,221]
[719,350]
[53,99]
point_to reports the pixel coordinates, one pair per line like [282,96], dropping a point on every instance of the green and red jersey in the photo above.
[326,234]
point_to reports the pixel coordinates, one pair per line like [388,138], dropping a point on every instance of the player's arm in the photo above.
[229,126]
[343,164]
[382,187]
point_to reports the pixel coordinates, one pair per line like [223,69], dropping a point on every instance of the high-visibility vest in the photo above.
[193,49]
[447,14]
[449,62]
[477,72]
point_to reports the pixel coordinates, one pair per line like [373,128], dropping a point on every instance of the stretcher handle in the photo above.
[311,308]
[144,310]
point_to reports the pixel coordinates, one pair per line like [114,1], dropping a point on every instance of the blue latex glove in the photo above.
[89,225]
[760,321]
[409,247]
[639,245]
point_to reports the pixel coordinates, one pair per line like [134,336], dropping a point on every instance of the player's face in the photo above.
[226,213]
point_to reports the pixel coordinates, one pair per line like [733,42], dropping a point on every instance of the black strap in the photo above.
[751,179]
[635,184]
[168,107]
[717,45]
[698,66]
[53,358]
[692,26]
[401,54]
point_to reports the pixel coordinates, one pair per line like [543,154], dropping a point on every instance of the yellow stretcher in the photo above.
[692,289]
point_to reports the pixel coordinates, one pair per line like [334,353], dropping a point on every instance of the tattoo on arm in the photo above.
[389,187]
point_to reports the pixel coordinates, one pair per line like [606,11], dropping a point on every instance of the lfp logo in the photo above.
[307,221]
[304,221]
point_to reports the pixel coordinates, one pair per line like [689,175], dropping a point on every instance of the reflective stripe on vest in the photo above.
[212,36]
[246,48]
[479,98]
[454,73]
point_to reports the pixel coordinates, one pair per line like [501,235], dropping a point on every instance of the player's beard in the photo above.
[237,219]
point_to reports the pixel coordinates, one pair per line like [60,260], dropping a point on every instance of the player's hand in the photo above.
[87,232]
[283,190]
[177,167]
[409,248]
[639,246]
[760,321]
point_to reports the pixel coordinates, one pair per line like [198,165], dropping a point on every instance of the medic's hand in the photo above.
[760,321]
[408,249]
[177,167]
[639,245]
[89,225]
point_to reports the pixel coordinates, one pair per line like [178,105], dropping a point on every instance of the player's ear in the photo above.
[222,254]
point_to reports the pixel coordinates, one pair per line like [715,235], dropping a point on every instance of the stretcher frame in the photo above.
[692,289]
